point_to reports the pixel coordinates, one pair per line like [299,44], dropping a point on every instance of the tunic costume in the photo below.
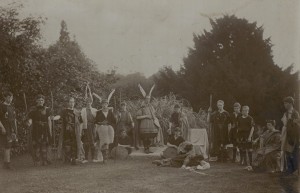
[291,140]
[40,133]
[147,128]
[88,131]
[268,156]
[220,122]
[8,120]
[179,120]
[105,123]
[70,135]
[125,122]
[245,125]
[233,132]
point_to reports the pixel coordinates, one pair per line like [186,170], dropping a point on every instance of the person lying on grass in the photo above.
[186,157]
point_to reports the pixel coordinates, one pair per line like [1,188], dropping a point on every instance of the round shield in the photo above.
[170,152]
[119,152]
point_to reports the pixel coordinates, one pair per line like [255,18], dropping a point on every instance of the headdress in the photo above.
[143,91]
[88,93]
[105,100]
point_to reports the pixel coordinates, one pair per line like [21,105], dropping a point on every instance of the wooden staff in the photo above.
[26,108]
[209,127]
[53,129]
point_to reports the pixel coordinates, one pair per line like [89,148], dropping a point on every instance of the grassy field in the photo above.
[137,175]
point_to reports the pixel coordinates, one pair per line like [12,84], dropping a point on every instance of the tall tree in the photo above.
[67,70]
[233,62]
[18,50]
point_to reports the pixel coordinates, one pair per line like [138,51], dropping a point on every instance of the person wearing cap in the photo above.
[8,128]
[125,124]
[233,130]
[267,157]
[105,123]
[70,135]
[40,118]
[290,137]
[220,120]
[88,115]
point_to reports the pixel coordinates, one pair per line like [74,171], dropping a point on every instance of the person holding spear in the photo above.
[40,119]
[290,138]
[8,128]
[88,127]
[220,120]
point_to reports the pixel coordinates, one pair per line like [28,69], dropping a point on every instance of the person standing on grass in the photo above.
[233,130]
[290,136]
[71,133]
[175,121]
[8,128]
[105,123]
[40,118]
[148,123]
[125,124]
[245,125]
[88,115]
[221,126]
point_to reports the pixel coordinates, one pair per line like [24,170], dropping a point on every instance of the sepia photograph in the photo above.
[149,96]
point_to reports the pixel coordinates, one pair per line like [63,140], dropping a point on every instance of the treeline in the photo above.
[27,67]
[233,62]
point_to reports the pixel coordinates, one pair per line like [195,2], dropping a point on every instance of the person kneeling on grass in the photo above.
[186,157]
[173,143]
[124,140]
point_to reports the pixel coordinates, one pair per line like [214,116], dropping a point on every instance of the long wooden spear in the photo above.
[209,127]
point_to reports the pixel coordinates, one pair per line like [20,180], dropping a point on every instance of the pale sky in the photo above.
[145,35]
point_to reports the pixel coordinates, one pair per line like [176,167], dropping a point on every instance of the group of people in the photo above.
[277,151]
[92,133]
[89,133]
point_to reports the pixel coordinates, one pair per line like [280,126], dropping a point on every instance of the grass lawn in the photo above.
[137,175]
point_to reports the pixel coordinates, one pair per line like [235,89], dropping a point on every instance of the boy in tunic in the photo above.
[175,120]
[71,134]
[245,125]
[221,125]
[40,119]
[125,124]
[233,131]
[8,128]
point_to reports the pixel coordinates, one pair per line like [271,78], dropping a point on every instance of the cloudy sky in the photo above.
[145,35]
